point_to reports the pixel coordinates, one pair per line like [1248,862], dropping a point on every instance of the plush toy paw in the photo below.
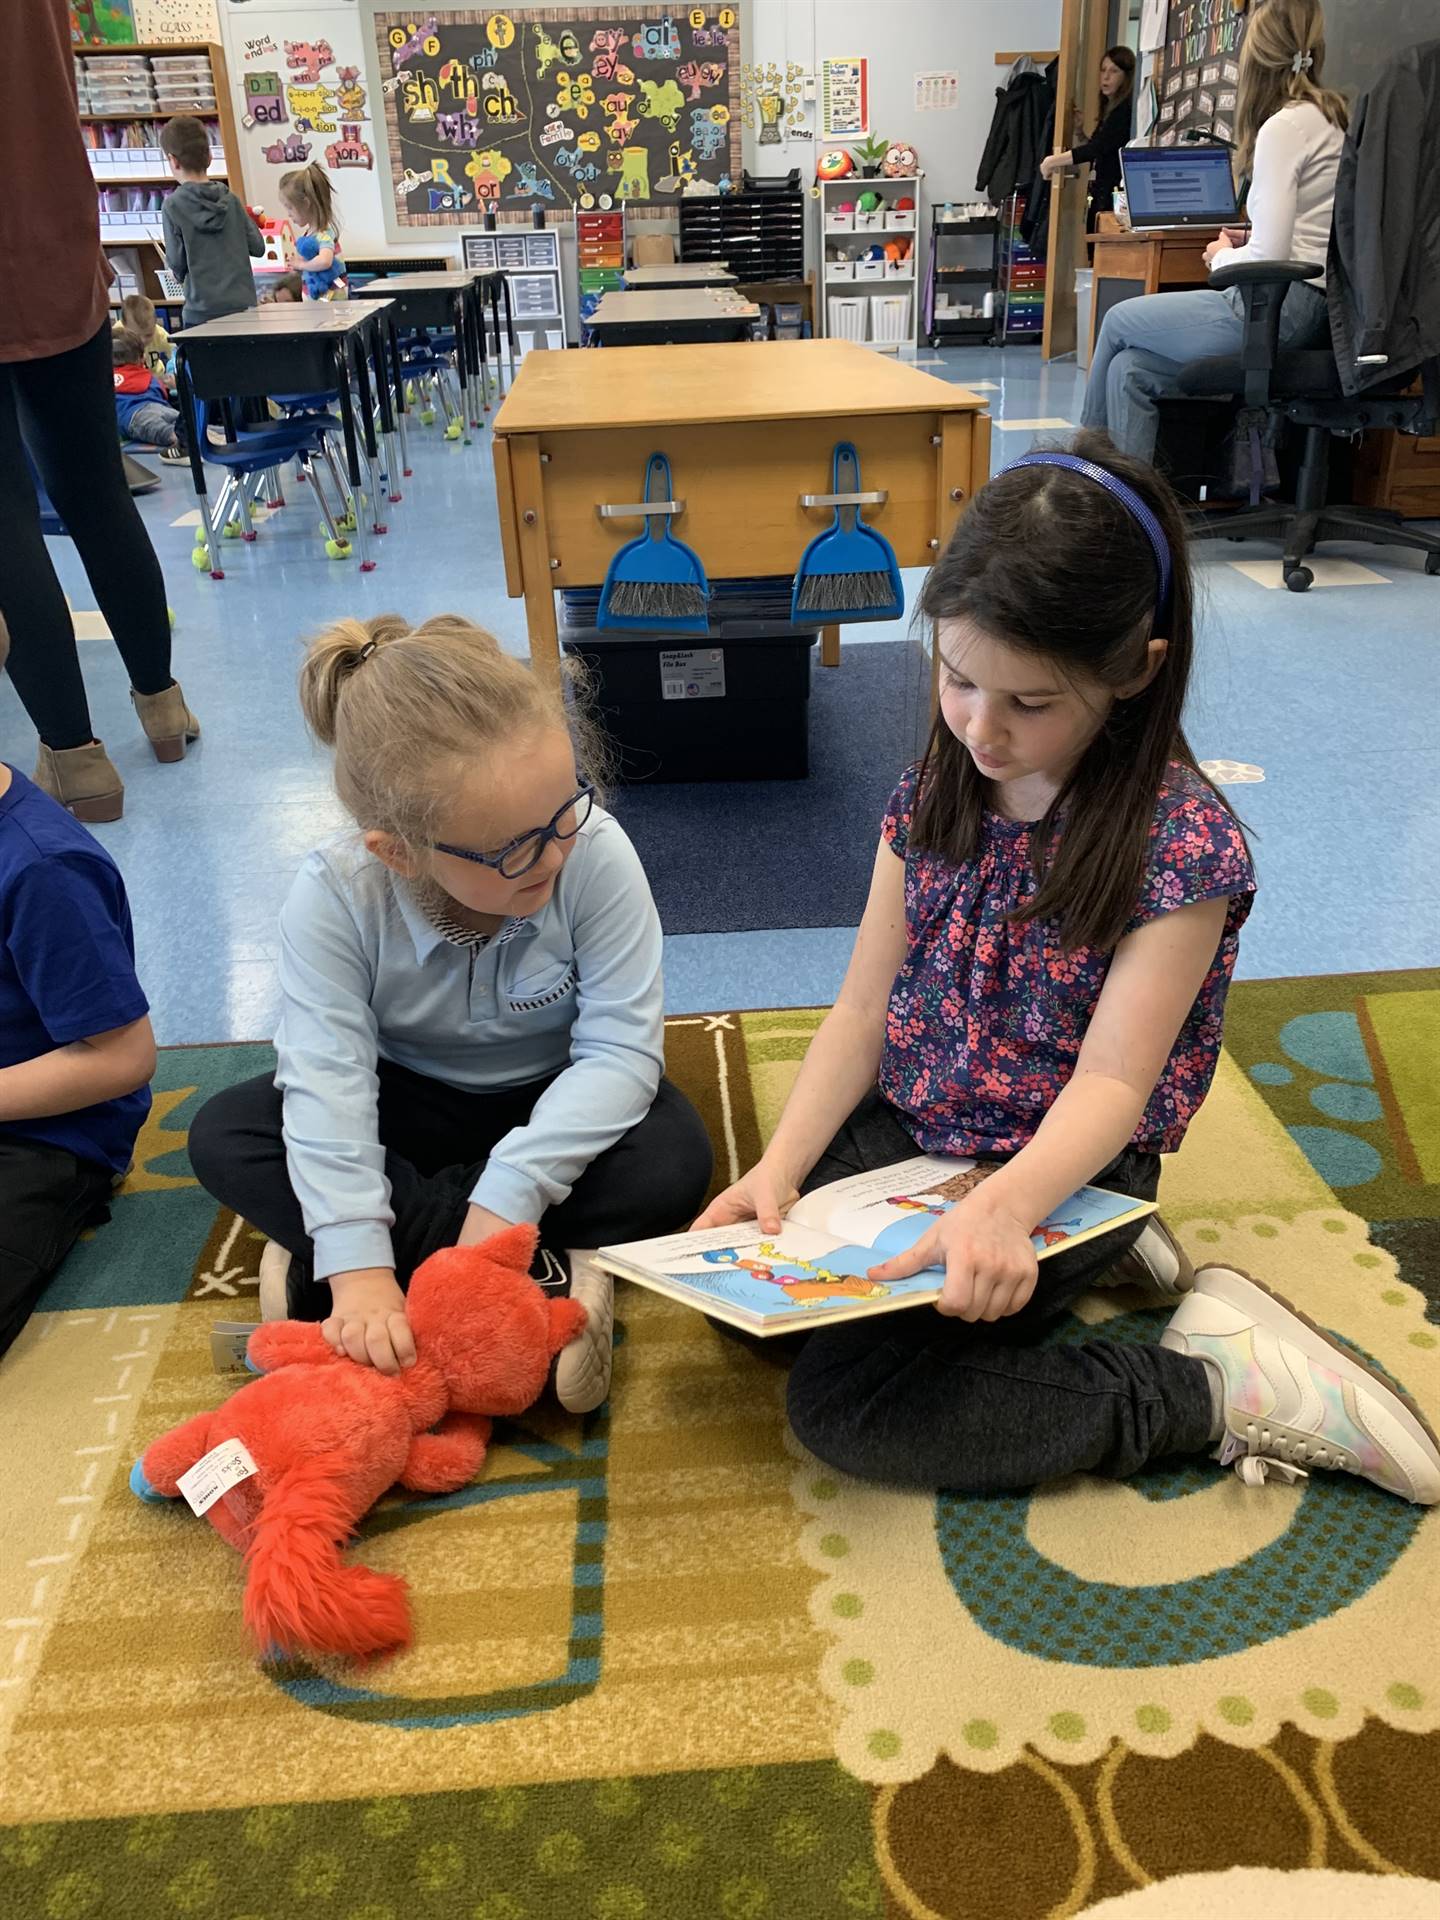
[142,1488]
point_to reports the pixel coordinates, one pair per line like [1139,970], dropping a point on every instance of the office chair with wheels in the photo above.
[1303,388]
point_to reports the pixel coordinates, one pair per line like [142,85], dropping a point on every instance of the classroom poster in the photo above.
[845,98]
[103,23]
[164,22]
[937,92]
[559,107]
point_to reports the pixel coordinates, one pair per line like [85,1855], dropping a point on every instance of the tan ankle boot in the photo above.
[83,780]
[167,721]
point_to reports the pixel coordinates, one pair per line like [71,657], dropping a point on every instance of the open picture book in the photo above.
[814,1271]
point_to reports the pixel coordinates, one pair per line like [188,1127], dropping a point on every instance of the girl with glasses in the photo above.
[472,1025]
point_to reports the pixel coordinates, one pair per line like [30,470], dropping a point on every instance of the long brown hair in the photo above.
[1124,59]
[1277,32]
[1049,562]
[309,191]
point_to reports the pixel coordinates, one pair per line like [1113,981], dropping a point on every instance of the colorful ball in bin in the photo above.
[834,164]
[869,202]
[904,204]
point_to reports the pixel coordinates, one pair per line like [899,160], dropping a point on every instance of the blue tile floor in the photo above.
[1331,695]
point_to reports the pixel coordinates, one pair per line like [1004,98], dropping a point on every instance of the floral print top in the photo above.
[986,1017]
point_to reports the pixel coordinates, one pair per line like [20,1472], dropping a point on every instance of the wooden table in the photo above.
[686,275]
[749,427]
[1158,260]
[314,347]
[625,319]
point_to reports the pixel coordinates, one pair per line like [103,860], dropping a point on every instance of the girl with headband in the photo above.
[1289,129]
[1039,982]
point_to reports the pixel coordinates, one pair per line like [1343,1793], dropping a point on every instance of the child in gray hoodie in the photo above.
[209,237]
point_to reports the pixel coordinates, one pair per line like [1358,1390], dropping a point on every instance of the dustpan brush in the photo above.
[849,572]
[657,599]
[843,592]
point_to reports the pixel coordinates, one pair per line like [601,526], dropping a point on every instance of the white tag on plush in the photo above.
[215,1474]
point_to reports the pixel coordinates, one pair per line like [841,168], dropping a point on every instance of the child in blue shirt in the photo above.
[76,1050]
[309,202]
[472,1030]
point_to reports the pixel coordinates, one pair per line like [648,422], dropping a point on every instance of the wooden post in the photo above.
[1082,41]
[527,478]
[830,646]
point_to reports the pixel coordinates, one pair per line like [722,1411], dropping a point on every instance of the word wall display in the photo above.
[580,108]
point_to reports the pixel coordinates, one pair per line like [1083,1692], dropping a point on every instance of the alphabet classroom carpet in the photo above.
[669,1668]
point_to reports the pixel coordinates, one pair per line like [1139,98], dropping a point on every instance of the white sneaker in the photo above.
[582,1369]
[1294,1397]
[1157,1262]
[274,1282]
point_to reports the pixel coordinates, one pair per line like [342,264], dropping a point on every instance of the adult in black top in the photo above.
[1100,151]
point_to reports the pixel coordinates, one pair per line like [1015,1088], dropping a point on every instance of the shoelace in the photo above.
[1263,1454]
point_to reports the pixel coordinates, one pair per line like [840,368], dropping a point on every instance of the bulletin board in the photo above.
[572,107]
[1198,72]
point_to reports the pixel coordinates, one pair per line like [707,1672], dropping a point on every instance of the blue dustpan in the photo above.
[655,584]
[849,572]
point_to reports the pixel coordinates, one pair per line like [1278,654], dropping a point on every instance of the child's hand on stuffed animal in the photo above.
[369,1322]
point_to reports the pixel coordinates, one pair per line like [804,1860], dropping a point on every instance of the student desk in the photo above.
[1157,260]
[455,299]
[678,317]
[685,276]
[311,348]
[749,428]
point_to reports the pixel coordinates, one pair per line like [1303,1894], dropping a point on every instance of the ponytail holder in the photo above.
[366,651]
[1302,62]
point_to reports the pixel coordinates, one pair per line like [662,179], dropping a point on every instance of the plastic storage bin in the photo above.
[733,704]
[890,316]
[845,317]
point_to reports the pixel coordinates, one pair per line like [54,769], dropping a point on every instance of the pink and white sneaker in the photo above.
[1294,1397]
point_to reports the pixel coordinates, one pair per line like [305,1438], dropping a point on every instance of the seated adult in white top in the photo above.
[1289,130]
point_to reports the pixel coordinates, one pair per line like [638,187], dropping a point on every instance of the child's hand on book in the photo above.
[986,1251]
[761,1195]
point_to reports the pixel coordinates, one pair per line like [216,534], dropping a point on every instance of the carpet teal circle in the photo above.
[1341,1102]
[1340,1159]
[1271,1073]
[1344,1538]
[1328,1043]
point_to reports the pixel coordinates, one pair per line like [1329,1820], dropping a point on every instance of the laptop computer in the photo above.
[1178,186]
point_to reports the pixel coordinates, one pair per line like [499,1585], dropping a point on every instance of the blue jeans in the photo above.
[1144,343]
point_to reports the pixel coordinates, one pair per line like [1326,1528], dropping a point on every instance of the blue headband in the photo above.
[1128,499]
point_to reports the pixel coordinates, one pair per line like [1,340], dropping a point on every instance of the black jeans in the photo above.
[47,1198]
[923,1400]
[66,404]
[651,1181]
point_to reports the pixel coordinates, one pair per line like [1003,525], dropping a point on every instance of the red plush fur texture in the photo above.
[328,1437]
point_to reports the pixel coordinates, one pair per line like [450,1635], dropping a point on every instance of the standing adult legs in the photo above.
[66,406]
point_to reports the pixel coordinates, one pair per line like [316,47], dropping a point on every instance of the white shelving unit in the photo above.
[876,303]
[530,262]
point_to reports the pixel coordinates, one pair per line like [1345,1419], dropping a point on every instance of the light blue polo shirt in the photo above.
[575,990]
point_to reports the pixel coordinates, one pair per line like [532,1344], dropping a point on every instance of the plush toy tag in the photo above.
[215,1474]
[228,1341]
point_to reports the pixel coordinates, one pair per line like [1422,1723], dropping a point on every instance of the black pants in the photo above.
[66,404]
[651,1181]
[924,1400]
[47,1197]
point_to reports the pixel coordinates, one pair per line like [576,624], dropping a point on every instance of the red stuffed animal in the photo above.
[328,1437]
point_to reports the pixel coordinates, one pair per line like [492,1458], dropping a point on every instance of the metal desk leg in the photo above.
[186,395]
[477,323]
[352,459]
[462,364]
[386,402]
[397,376]
[367,424]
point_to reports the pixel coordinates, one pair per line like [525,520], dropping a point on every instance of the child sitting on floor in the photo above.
[139,312]
[471,1031]
[76,1050]
[309,203]
[142,406]
[1039,981]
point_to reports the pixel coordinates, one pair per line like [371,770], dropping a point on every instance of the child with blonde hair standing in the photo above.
[472,1028]
[309,202]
